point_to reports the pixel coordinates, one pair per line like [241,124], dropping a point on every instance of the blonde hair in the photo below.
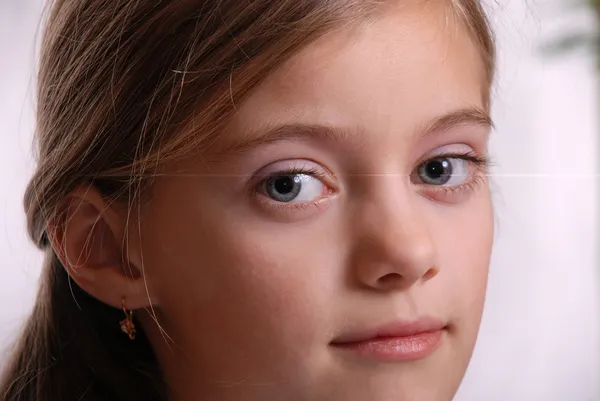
[120,85]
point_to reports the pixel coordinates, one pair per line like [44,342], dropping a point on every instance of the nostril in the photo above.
[394,279]
[429,274]
[390,279]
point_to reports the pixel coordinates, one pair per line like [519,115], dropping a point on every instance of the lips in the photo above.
[396,329]
[394,342]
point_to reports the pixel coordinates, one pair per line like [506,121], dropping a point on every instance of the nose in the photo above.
[393,246]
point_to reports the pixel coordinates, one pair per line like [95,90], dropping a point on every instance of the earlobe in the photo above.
[89,237]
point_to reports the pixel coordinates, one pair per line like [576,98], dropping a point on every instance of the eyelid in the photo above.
[450,194]
[480,160]
[443,151]
[478,164]
[296,166]
[290,211]
[291,167]
[288,164]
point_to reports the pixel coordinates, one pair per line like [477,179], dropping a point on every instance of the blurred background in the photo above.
[540,339]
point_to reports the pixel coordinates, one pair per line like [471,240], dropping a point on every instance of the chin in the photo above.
[411,382]
[432,391]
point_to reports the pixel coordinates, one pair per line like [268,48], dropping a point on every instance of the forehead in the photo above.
[414,62]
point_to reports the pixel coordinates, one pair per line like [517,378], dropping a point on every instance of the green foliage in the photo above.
[577,40]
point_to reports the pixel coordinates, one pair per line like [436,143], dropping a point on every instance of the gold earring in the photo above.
[127,325]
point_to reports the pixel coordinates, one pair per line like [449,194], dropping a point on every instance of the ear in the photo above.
[90,239]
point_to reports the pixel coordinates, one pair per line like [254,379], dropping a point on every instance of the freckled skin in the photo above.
[252,291]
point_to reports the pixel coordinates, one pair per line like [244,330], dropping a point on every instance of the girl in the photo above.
[258,200]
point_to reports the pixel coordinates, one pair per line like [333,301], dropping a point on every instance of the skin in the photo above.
[251,291]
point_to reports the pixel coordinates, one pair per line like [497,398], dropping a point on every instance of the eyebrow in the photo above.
[466,116]
[471,115]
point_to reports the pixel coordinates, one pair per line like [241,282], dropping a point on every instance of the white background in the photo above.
[540,339]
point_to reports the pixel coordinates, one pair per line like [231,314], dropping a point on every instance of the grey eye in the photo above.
[444,171]
[294,187]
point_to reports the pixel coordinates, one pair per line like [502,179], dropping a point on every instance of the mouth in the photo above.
[395,341]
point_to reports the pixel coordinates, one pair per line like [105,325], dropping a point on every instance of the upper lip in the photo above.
[393,329]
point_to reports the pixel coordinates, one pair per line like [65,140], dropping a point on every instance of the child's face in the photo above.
[267,250]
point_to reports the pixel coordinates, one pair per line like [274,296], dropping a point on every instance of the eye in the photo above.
[287,188]
[447,171]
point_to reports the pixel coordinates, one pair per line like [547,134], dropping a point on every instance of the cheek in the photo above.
[464,248]
[231,288]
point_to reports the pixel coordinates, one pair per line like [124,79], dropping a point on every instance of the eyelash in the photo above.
[298,169]
[480,162]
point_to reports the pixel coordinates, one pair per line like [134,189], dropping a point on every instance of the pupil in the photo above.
[284,188]
[284,185]
[435,169]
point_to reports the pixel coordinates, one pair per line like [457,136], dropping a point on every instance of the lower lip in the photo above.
[418,346]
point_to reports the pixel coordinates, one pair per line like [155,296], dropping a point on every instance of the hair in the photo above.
[123,87]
